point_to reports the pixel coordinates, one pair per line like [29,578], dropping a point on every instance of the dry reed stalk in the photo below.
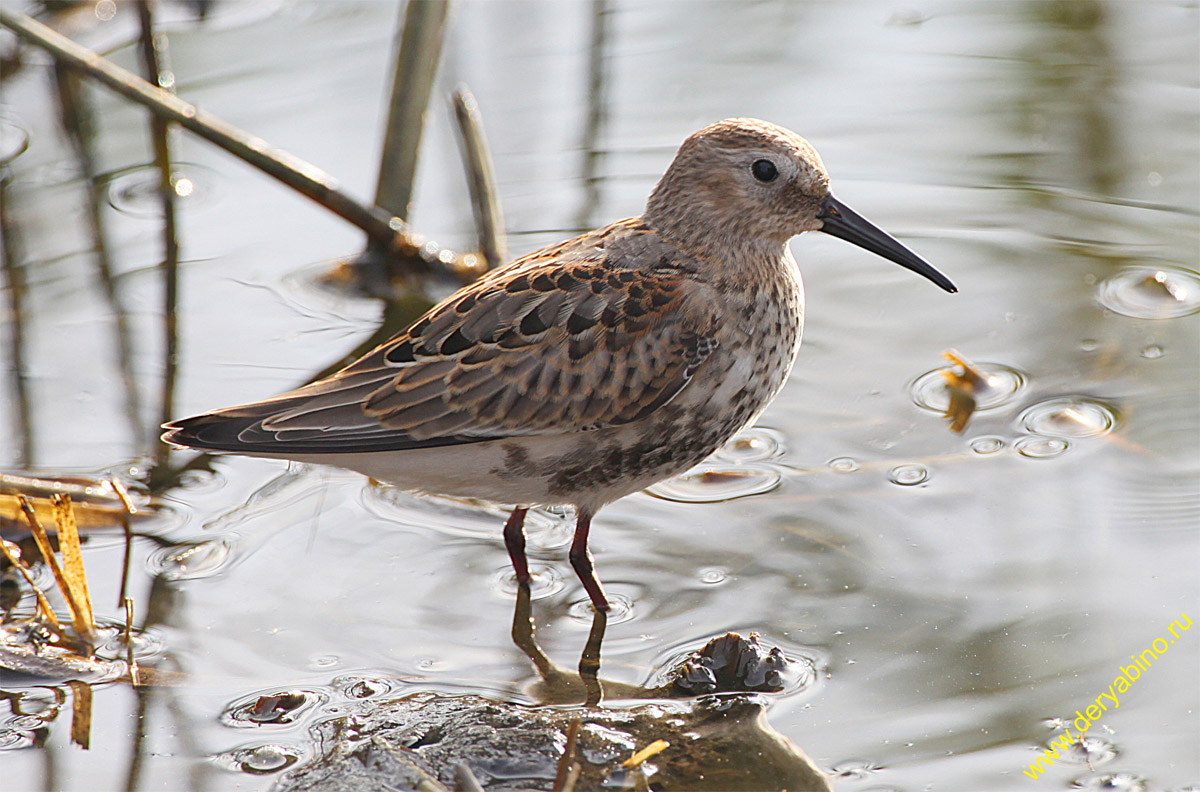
[44,611]
[76,597]
[76,577]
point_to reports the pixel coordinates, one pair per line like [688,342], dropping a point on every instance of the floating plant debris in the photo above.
[963,388]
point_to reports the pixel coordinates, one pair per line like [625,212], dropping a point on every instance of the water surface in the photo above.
[959,592]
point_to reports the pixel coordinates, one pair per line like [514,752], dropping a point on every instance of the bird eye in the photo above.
[764,170]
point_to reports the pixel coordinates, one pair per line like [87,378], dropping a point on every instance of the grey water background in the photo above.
[957,593]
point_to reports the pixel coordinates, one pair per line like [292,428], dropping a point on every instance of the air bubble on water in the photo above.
[987,445]
[712,483]
[752,445]
[843,465]
[259,759]
[1041,447]
[908,475]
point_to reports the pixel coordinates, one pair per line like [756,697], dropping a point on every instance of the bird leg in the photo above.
[514,540]
[581,560]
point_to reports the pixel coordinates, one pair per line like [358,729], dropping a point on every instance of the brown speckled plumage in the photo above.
[589,369]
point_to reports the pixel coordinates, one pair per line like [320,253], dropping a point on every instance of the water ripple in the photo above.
[546,581]
[274,708]
[1069,417]
[755,444]
[356,687]
[260,759]
[1151,292]
[1112,782]
[712,483]
[1000,384]
[1041,447]
[987,444]
[135,191]
[620,610]
[190,562]
[908,475]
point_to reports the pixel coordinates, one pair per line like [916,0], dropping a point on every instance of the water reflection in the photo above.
[80,125]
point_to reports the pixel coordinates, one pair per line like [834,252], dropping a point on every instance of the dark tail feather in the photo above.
[239,430]
[215,432]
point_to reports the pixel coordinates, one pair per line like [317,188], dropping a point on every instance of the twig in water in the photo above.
[130,510]
[134,673]
[417,57]
[81,712]
[565,763]
[13,553]
[656,747]
[465,777]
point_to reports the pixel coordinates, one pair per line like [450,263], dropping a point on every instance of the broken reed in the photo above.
[69,575]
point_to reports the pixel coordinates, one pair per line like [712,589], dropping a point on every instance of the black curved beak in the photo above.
[843,222]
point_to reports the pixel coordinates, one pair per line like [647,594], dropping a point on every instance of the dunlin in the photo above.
[589,369]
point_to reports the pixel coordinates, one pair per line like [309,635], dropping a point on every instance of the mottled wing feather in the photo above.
[548,349]
[571,338]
